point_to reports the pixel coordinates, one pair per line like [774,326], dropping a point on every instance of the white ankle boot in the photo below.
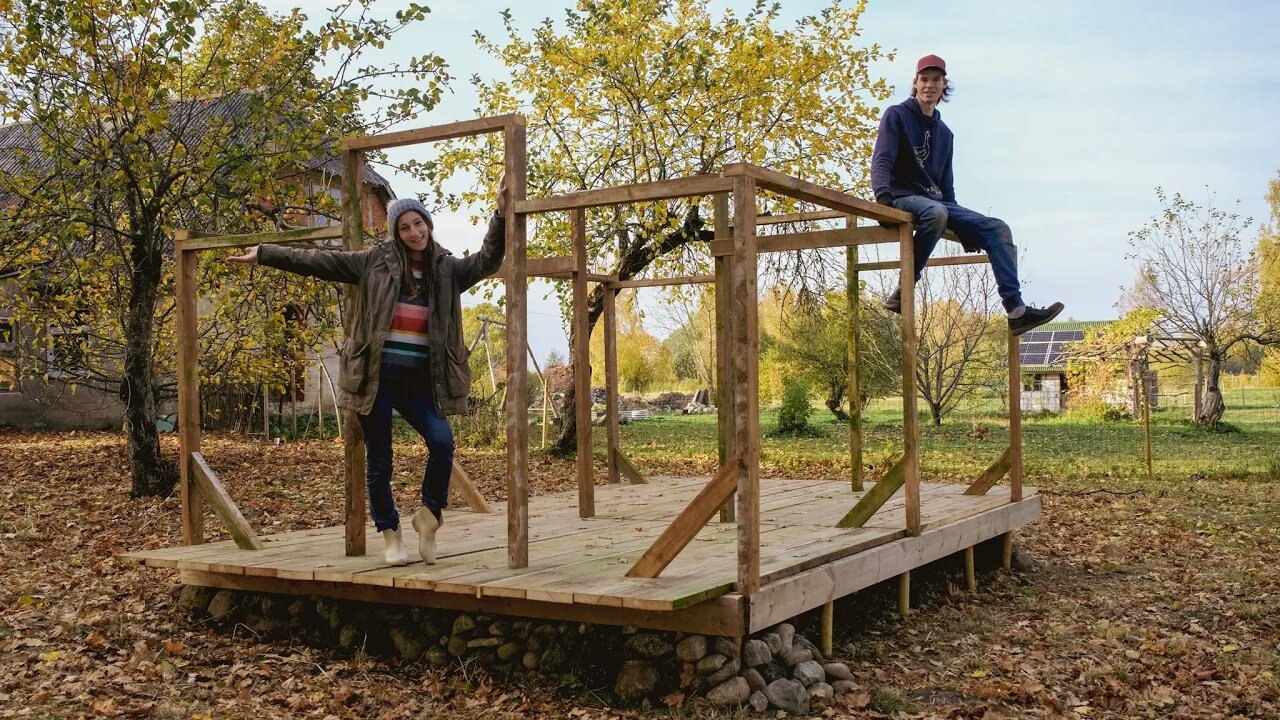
[395,554]
[424,521]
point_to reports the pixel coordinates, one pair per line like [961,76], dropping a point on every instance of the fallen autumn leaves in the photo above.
[1161,604]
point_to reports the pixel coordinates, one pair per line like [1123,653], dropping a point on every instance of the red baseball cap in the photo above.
[931,61]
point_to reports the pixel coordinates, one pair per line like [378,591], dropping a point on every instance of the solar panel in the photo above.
[1037,336]
[1047,347]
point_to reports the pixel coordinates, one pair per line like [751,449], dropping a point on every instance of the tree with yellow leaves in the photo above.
[632,91]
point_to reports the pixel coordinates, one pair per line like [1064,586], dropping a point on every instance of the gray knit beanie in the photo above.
[400,206]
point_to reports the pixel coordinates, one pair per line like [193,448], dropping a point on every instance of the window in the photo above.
[68,351]
[1033,382]
[327,201]
[6,335]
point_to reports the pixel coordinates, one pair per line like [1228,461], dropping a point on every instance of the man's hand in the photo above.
[250,257]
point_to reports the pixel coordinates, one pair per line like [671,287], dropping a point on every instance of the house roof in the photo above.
[21,147]
[1047,348]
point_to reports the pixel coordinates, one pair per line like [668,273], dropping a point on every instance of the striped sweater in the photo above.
[406,342]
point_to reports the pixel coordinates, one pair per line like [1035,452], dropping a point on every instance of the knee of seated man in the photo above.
[934,216]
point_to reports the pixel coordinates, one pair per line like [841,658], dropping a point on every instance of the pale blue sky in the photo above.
[1066,116]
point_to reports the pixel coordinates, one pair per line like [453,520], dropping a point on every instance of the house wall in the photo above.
[1047,398]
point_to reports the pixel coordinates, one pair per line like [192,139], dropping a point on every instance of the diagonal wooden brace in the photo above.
[459,480]
[222,504]
[875,498]
[992,475]
[624,464]
[687,524]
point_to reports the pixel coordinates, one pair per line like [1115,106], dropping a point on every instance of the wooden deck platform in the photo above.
[577,566]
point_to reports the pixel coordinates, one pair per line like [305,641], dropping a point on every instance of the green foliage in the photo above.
[627,91]
[132,120]
[811,342]
[793,416]
[1098,411]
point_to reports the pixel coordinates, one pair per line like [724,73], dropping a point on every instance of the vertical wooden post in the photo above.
[745,352]
[611,382]
[1015,419]
[546,410]
[266,413]
[582,364]
[188,393]
[517,291]
[724,340]
[970,574]
[853,295]
[910,418]
[1007,555]
[352,433]
[1146,412]
[904,594]
[828,626]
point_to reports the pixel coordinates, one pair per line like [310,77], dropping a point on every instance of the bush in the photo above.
[793,418]
[1098,411]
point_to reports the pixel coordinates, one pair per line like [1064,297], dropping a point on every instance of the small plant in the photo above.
[793,416]
[1273,469]
[1099,411]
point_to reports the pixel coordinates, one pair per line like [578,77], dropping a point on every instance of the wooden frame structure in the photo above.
[735,489]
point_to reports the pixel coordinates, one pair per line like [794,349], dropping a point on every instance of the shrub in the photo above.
[793,417]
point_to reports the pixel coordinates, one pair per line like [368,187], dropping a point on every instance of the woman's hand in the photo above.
[250,257]
[502,195]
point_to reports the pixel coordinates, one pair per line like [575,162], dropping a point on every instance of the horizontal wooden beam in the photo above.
[817,194]
[992,475]
[933,262]
[545,267]
[200,241]
[799,593]
[804,216]
[811,240]
[434,133]
[875,498]
[723,616]
[222,505]
[688,523]
[661,282]
[629,469]
[626,194]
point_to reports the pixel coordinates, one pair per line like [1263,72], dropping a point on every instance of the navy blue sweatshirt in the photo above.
[912,155]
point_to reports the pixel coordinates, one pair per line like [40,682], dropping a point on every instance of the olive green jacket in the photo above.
[377,273]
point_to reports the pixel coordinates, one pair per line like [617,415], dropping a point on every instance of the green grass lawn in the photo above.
[1058,450]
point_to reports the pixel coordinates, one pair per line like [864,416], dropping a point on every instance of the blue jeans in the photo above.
[991,235]
[407,390]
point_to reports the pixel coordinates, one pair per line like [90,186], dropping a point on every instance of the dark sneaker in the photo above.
[1034,317]
[893,303]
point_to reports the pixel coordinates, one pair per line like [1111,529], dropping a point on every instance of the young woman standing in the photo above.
[404,350]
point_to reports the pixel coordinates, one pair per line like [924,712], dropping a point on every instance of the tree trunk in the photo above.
[1214,407]
[152,473]
[935,413]
[635,259]
[835,403]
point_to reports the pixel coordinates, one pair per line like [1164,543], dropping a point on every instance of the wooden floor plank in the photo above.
[577,561]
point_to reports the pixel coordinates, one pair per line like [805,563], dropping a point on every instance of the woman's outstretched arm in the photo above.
[476,267]
[345,266]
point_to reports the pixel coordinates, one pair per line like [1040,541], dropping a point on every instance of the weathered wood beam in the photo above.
[662,282]
[460,480]
[816,194]
[874,499]
[992,474]
[222,505]
[188,390]
[687,524]
[279,237]
[434,133]
[627,194]
[582,365]
[931,262]
[628,468]
[352,432]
